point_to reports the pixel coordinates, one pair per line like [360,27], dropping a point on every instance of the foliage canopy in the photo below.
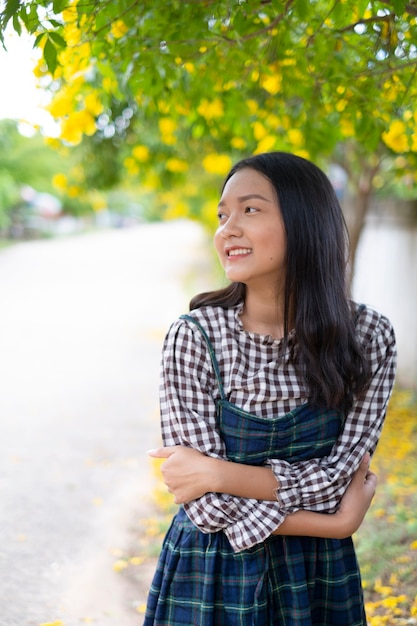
[183,87]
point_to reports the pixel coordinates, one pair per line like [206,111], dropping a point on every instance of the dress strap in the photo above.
[211,352]
[359,310]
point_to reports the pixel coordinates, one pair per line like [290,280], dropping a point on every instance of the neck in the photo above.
[264,315]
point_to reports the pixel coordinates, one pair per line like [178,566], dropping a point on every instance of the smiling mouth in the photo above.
[238,251]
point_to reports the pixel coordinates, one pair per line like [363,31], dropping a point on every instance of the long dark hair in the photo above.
[327,350]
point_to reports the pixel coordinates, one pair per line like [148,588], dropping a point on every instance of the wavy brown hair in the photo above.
[327,350]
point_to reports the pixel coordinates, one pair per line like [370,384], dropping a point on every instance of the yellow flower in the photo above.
[347,128]
[131,166]
[71,31]
[259,131]
[69,14]
[109,84]
[77,124]
[62,104]
[176,211]
[98,202]
[118,29]
[136,560]
[120,565]
[75,61]
[217,163]
[295,137]
[151,182]
[341,105]
[176,165]
[238,143]
[395,137]
[141,153]
[266,144]
[93,104]
[304,154]
[271,84]
[210,110]
[74,191]
[163,107]
[384,590]
[167,126]
[60,181]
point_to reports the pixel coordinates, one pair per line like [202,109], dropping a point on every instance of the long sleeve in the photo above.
[188,417]
[318,484]
[259,378]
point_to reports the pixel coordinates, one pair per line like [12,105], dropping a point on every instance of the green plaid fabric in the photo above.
[283,581]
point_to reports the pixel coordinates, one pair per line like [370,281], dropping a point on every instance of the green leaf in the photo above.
[399,6]
[38,40]
[50,56]
[57,39]
[17,25]
[303,8]
[59,5]
[55,23]
[11,9]
[362,6]
[32,23]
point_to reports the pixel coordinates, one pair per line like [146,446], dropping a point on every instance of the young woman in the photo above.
[273,395]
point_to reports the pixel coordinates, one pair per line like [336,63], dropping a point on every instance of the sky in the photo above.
[20,98]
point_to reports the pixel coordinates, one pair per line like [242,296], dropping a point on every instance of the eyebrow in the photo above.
[250,196]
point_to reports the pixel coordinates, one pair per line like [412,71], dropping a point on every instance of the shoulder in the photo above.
[214,320]
[374,330]
[210,321]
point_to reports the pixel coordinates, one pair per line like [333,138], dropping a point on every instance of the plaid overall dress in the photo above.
[283,581]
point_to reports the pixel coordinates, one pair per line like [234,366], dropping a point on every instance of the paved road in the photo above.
[81,325]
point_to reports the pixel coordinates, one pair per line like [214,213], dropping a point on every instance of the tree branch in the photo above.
[367,20]
[410,7]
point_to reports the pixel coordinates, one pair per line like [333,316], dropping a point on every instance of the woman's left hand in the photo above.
[186,472]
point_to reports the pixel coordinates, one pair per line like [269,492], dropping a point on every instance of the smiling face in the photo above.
[250,239]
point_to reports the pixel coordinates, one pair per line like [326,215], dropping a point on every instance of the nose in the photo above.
[231,227]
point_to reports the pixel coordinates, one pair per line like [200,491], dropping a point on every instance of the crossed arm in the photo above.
[189,474]
[241,499]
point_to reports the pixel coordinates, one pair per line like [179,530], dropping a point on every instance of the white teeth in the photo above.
[237,251]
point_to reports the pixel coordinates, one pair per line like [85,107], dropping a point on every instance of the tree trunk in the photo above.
[356,223]
[356,210]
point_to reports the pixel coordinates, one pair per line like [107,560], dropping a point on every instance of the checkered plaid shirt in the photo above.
[259,377]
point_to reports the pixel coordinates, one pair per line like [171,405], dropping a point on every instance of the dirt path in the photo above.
[81,327]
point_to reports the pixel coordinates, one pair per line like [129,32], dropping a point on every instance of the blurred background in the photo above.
[118,122]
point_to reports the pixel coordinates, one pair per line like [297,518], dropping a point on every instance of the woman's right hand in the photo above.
[357,498]
[347,519]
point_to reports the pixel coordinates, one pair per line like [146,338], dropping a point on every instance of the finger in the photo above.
[360,474]
[371,479]
[162,453]
[363,468]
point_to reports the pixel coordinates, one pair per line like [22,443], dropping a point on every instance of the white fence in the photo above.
[386,278]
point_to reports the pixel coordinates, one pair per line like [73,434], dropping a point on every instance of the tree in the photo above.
[23,161]
[184,87]
[26,162]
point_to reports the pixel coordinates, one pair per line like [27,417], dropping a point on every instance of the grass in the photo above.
[386,543]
